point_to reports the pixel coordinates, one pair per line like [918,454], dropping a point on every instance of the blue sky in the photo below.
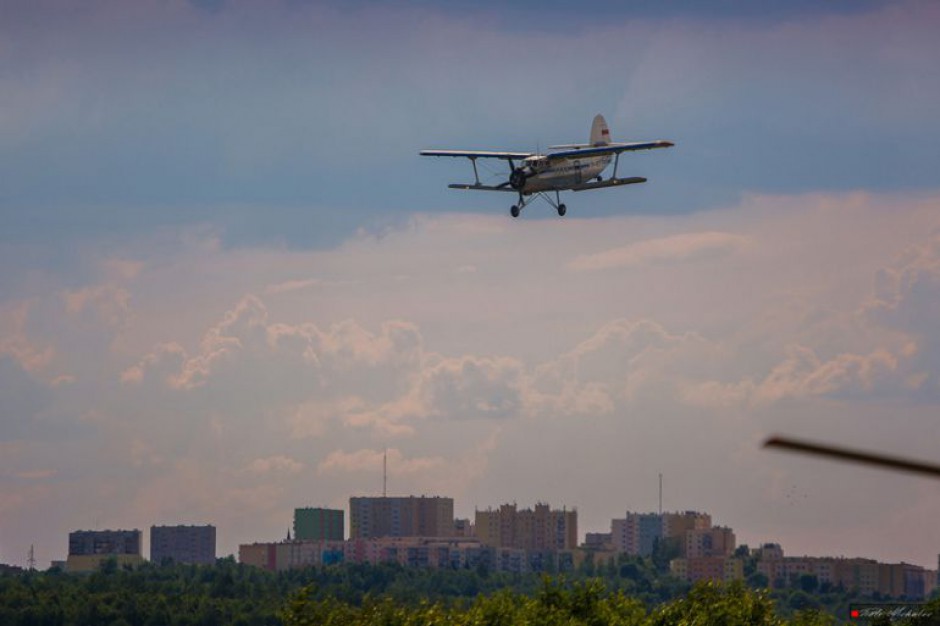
[229,281]
[121,120]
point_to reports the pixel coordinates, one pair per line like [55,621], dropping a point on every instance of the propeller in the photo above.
[519,175]
[854,456]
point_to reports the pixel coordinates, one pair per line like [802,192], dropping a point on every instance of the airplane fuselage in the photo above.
[561,174]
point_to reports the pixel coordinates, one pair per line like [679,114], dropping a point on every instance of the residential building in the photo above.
[312,524]
[714,541]
[598,542]
[535,529]
[371,517]
[864,576]
[263,555]
[463,528]
[677,524]
[183,544]
[713,568]
[89,548]
[636,534]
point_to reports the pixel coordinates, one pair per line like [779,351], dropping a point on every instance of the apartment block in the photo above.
[411,516]
[714,541]
[463,528]
[312,524]
[598,542]
[636,534]
[89,548]
[677,524]
[713,568]
[183,544]
[864,576]
[538,529]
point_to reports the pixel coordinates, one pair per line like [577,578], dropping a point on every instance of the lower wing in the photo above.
[610,182]
[472,187]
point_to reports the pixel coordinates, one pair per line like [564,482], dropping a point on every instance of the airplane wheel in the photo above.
[562,209]
[600,179]
[514,211]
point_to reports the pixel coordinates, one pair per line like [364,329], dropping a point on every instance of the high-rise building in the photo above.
[463,528]
[89,548]
[85,542]
[409,516]
[183,544]
[636,534]
[676,524]
[314,524]
[714,541]
[528,529]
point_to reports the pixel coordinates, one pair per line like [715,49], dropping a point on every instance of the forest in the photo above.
[629,592]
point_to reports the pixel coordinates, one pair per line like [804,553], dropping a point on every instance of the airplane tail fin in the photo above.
[600,135]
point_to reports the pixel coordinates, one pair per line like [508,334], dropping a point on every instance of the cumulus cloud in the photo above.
[469,387]
[478,382]
[801,375]
[22,399]
[163,362]
[365,460]
[683,248]
[907,293]
[15,340]
[274,465]
[292,285]
[110,302]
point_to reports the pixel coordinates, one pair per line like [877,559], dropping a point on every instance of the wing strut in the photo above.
[616,163]
[475,175]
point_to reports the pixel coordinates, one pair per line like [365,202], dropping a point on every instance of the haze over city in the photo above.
[229,283]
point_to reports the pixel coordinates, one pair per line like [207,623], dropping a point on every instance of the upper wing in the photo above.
[478,154]
[611,148]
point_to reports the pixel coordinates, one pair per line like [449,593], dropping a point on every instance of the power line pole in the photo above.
[385,474]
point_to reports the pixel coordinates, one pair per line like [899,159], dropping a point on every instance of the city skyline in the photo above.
[504,526]
[230,284]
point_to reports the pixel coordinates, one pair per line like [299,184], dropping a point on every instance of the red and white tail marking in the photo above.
[600,135]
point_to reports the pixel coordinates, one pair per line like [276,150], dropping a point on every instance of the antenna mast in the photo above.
[31,559]
[385,474]
[660,494]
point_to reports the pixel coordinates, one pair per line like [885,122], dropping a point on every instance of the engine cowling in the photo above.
[518,178]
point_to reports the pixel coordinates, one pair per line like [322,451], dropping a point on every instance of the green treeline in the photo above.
[587,603]
[630,591]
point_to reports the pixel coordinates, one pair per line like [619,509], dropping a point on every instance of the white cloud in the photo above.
[519,380]
[371,461]
[15,341]
[292,285]
[274,465]
[110,302]
[688,247]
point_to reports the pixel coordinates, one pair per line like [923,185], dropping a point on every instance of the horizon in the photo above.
[230,283]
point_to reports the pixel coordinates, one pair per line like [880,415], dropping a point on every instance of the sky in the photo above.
[228,282]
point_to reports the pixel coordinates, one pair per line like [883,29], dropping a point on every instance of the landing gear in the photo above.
[557,204]
[516,209]
[561,208]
